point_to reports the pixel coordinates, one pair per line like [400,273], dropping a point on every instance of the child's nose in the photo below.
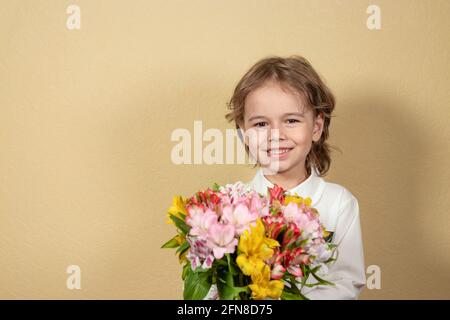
[277,133]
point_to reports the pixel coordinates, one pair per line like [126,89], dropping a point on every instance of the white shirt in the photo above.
[339,213]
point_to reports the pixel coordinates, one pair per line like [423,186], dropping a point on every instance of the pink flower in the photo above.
[292,212]
[200,221]
[278,272]
[310,227]
[306,222]
[240,217]
[295,270]
[257,205]
[200,255]
[221,239]
[301,259]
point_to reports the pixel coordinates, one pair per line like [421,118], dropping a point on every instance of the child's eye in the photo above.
[292,120]
[260,124]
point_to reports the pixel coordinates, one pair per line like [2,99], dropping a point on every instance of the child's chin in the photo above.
[277,166]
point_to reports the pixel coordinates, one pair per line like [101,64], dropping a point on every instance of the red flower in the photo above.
[214,198]
[205,199]
[276,193]
[273,226]
[291,235]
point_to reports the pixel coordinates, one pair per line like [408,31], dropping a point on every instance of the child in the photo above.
[287,105]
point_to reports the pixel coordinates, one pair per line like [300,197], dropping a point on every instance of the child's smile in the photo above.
[279,153]
[285,128]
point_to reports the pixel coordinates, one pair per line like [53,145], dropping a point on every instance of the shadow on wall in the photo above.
[388,151]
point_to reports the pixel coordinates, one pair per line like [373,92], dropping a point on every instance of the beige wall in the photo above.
[86,117]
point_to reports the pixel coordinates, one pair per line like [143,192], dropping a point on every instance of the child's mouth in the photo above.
[280,153]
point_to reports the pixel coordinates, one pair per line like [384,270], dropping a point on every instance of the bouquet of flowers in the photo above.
[248,245]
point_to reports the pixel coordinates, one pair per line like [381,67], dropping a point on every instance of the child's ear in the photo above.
[318,127]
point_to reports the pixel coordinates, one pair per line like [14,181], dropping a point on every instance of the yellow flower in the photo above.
[262,287]
[178,209]
[249,264]
[307,201]
[298,200]
[254,247]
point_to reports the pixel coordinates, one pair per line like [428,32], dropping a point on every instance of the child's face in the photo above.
[285,128]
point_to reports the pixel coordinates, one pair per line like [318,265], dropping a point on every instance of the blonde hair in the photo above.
[297,73]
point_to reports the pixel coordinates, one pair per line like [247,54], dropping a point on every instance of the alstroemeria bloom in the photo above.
[221,239]
[292,213]
[274,226]
[200,221]
[259,206]
[262,287]
[254,248]
[305,221]
[199,254]
[288,260]
[309,225]
[320,251]
[240,217]
[298,200]
[277,272]
[276,193]
[232,192]
[178,209]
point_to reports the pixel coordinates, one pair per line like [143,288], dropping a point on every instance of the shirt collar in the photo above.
[311,187]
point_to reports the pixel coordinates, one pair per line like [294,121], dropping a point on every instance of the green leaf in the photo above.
[199,269]
[322,281]
[313,270]
[305,275]
[184,246]
[226,276]
[216,187]
[186,268]
[225,284]
[291,280]
[196,285]
[230,293]
[330,260]
[220,262]
[180,224]
[231,267]
[172,243]
[307,271]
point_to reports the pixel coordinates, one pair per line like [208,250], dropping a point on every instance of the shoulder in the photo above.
[341,194]
[339,190]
